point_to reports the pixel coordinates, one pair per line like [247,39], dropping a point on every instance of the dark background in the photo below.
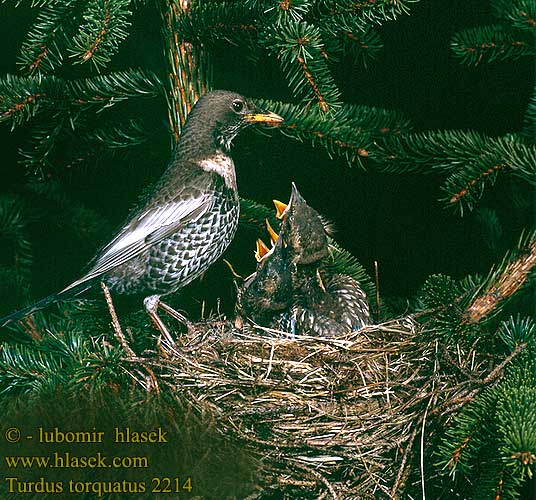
[394,219]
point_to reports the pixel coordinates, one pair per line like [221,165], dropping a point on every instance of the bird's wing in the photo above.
[146,229]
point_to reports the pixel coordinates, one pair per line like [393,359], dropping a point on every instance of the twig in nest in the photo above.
[322,479]
[458,366]
[423,427]
[402,469]
[377,277]
[369,472]
[499,368]
[115,322]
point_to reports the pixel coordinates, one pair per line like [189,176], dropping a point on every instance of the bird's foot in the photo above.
[151,306]
[177,315]
[152,303]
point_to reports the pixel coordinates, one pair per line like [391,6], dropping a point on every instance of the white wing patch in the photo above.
[150,227]
[151,221]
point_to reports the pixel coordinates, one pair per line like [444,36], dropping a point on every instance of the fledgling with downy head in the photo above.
[315,303]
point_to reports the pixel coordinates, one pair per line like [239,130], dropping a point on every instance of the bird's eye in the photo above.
[237,106]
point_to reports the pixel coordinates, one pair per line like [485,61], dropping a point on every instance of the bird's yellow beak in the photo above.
[280,209]
[263,117]
[261,251]
[273,235]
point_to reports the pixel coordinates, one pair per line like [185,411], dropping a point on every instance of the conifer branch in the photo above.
[491,43]
[226,21]
[286,11]
[518,331]
[42,51]
[471,160]
[253,215]
[350,132]
[107,90]
[300,50]
[189,76]
[88,224]
[502,283]
[25,97]
[520,13]
[361,46]
[367,11]
[529,125]
[105,27]
[14,220]
[120,137]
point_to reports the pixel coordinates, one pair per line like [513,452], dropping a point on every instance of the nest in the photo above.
[337,417]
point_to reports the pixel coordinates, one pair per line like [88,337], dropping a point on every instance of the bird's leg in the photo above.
[177,315]
[151,304]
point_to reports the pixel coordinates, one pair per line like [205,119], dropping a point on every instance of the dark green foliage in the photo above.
[24,97]
[514,332]
[457,310]
[492,228]
[511,39]
[87,224]
[254,215]
[306,37]
[104,28]
[442,304]
[360,46]
[351,131]
[471,161]
[43,50]
[491,43]
[285,12]
[529,129]
[342,261]
[75,30]
[65,106]
[13,228]
[227,21]
[299,48]
[120,137]
[493,439]
[367,12]
[521,14]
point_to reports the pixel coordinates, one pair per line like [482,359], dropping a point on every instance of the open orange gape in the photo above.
[292,290]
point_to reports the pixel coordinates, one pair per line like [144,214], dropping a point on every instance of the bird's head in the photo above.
[269,288]
[304,230]
[224,114]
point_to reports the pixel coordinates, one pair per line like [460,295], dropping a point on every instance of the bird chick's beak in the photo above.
[261,251]
[273,235]
[280,209]
[261,116]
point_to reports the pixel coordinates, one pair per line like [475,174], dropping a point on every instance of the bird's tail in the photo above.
[38,306]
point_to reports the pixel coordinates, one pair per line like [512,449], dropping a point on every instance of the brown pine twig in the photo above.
[377,279]
[115,322]
[98,40]
[22,104]
[310,79]
[509,281]
[457,196]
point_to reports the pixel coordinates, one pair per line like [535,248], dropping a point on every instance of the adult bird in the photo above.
[184,223]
